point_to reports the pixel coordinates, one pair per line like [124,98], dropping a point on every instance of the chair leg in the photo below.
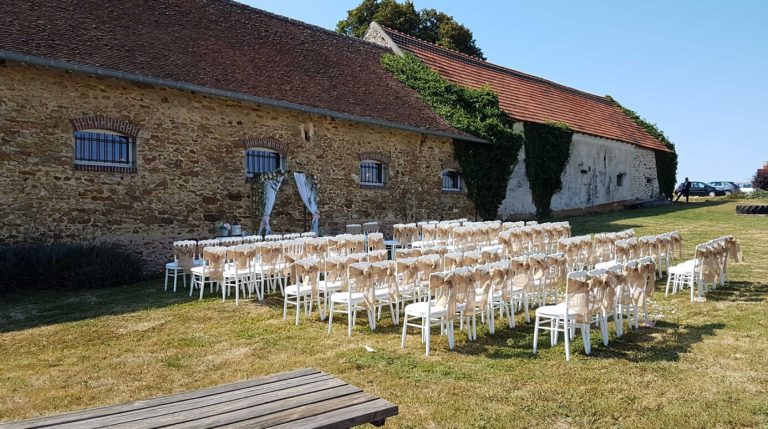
[405,328]
[350,319]
[535,335]
[567,340]
[604,329]
[165,288]
[585,335]
[426,335]
[175,278]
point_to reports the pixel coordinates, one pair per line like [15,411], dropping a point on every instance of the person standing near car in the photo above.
[686,190]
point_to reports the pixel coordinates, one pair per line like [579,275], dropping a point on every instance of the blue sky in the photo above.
[697,68]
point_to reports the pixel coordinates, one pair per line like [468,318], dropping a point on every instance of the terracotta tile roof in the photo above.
[529,98]
[218,44]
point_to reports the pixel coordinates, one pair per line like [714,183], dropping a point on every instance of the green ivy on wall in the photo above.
[666,162]
[547,149]
[485,167]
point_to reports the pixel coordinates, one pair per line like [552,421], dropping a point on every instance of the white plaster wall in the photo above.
[519,200]
[589,178]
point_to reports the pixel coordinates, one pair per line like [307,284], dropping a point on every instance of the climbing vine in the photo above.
[666,162]
[547,149]
[485,167]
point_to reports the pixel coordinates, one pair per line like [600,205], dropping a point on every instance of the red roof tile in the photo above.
[529,98]
[218,44]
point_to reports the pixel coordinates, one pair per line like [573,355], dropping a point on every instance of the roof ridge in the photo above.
[487,64]
[301,23]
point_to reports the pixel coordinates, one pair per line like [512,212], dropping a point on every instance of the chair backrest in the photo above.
[577,297]
[273,237]
[291,236]
[378,255]
[310,234]
[354,228]
[216,258]
[376,241]
[184,253]
[370,227]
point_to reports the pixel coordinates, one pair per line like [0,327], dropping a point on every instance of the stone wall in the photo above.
[589,179]
[190,165]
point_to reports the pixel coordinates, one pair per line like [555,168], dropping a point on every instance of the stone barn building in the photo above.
[612,160]
[140,121]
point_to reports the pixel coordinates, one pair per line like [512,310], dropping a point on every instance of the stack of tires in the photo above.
[752,209]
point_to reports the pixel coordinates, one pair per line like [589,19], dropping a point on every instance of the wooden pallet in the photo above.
[305,398]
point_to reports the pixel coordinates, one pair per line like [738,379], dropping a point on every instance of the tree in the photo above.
[428,24]
[760,182]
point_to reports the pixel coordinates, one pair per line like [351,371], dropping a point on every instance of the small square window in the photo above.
[451,181]
[373,173]
[620,179]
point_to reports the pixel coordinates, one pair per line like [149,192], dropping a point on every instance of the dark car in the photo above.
[701,189]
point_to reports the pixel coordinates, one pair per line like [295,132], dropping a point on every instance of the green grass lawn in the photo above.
[702,365]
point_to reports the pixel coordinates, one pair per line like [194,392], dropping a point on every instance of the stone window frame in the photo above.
[267,144]
[451,165]
[109,124]
[378,158]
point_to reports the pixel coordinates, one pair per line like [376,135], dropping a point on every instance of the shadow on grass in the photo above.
[740,292]
[33,309]
[663,343]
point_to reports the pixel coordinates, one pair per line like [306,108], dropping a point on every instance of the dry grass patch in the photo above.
[702,365]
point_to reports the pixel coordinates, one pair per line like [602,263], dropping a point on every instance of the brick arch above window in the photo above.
[374,156]
[451,165]
[108,123]
[267,143]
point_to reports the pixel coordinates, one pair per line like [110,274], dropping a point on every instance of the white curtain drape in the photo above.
[270,193]
[308,194]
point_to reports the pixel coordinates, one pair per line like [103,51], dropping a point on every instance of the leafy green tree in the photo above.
[428,24]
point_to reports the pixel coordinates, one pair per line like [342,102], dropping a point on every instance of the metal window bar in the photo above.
[371,173]
[103,148]
[261,161]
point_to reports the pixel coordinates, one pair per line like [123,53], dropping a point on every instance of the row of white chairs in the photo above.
[707,269]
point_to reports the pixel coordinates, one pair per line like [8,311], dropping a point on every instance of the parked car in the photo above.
[701,189]
[746,187]
[728,187]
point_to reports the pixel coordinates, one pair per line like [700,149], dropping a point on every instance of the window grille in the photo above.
[261,161]
[104,148]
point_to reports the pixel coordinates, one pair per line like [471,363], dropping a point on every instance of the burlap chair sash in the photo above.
[360,278]
[383,273]
[428,264]
[429,232]
[734,249]
[453,260]
[244,255]
[377,255]
[519,269]
[316,247]
[676,244]
[376,241]
[471,258]
[336,269]
[356,243]
[184,252]
[408,270]
[307,271]
[217,260]
[408,253]
[709,261]
[578,297]
[604,281]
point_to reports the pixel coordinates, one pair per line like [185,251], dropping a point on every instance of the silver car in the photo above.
[728,187]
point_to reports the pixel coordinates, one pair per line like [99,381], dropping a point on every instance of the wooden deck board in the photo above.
[304,398]
[146,403]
